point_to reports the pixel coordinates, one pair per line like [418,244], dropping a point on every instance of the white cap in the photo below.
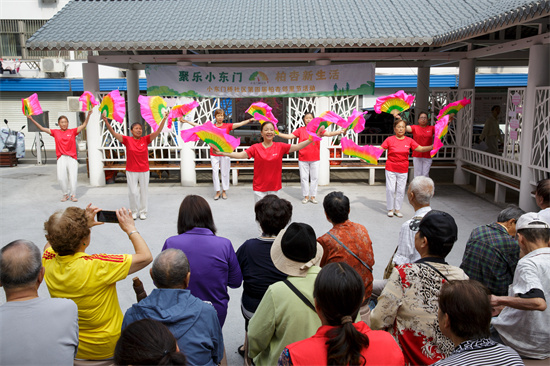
[531,220]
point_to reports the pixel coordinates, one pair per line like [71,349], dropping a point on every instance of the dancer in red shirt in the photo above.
[423,134]
[137,164]
[220,162]
[397,165]
[308,158]
[65,150]
[268,161]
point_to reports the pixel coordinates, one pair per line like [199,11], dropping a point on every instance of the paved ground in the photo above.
[29,194]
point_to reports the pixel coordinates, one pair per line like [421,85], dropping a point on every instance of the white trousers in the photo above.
[259,195]
[309,170]
[67,172]
[224,163]
[395,190]
[422,166]
[137,197]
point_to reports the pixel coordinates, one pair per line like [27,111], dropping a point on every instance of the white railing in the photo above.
[498,164]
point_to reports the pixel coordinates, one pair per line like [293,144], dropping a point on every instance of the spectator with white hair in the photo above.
[33,330]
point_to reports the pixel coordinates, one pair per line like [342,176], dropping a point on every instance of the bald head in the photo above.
[20,264]
[170,269]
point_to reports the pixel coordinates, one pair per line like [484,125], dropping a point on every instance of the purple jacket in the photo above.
[213,263]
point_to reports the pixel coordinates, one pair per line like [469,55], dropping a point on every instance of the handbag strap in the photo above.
[300,295]
[435,269]
[350,252]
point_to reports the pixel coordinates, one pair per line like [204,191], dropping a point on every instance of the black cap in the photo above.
[439,227]
[299,242]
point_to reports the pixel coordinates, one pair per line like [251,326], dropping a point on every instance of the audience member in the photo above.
[419,194]
[259,272]
[213,260]
[148,342]
[193,322]
[524,320]
[33,330]
[408,305]
[465,316]
[90,280]
[347,242]
[492,252]
[542,196]
[338,293]
[286,313]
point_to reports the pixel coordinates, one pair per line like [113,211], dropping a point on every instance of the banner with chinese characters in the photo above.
[243,82]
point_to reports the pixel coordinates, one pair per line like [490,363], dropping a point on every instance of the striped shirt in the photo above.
[481,352]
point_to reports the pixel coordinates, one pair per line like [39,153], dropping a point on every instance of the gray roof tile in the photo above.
[175,24]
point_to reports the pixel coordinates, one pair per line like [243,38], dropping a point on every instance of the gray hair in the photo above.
[170,268]
[509,213]
[423,189]
[20,264]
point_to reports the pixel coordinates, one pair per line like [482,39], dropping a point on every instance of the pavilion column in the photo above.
[132,85]
[422,91]
[466,80]
[90,73]
[538,75]
[322,105]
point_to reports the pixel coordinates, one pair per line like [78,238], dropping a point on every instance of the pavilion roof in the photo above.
[170,25]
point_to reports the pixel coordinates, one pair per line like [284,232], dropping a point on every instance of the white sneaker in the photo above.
[313,200]
[134,216]
[142,216]
[305,200]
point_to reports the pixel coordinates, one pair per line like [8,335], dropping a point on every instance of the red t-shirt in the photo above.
[312,151]
[228,127]
[268,165]
[137,153]
[424,136]
[65,143]
[398,153]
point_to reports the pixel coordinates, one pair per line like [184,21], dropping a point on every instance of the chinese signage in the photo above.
[239,82]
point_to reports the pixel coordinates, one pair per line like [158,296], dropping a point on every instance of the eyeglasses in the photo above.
[422,117]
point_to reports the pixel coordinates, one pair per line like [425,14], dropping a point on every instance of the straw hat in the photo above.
[295,250]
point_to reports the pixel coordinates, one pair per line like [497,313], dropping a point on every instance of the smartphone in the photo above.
[107,216]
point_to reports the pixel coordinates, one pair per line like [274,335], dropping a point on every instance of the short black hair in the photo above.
[273,214]
[336,206]
[195,212]
[468,306]
[147,342]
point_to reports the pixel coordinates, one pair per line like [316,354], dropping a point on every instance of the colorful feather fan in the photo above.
[262,112]
[368,153]
[180,110]
[394,104]
[211,135]
[356,121]
[113,106]
[441,128]
[31,106]
[454,107]
[153,110]
[325,120]
[88,101]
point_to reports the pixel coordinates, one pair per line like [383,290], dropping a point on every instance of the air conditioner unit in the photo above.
[52,65]
[73,104]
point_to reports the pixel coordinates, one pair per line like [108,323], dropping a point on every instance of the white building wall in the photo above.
[29,9]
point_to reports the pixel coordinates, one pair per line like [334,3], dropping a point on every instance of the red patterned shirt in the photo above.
[356,238]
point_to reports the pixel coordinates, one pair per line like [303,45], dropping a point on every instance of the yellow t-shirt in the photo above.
[90,281]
